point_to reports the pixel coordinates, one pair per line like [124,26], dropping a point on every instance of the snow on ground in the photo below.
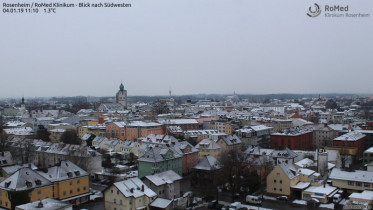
[301,202]
[327,206]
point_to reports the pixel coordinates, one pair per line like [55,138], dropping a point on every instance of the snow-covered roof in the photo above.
[288,169]
[161,203]
[306,171]
[134,187]
[326,190]
[365,195]
[350,136]
[22,131]
[301,185]
[178,121]
[208,163]
[165,177]
[208,144]
[24,178]
[357,175]
[304,163]
[48,204]
[66,170]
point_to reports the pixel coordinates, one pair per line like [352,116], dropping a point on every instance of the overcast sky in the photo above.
[192,46]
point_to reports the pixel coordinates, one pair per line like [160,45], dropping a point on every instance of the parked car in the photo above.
[282,198]
[212,204]
[251,199]
[235,206]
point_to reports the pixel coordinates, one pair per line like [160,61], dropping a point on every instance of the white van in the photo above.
[235,205]
[337,198]
[253,200]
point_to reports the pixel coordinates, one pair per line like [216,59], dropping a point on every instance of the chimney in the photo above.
[40,204]
[324,184]
[142,188]
[131,190]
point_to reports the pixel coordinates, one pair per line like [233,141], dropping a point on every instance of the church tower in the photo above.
[121,96]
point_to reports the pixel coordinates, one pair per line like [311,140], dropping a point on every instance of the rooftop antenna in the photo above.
[170,91]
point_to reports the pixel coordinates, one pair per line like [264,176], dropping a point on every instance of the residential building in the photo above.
[24,182]
[362,198]
[95,129]
[323,136]
[229,142]
[158,159]
[70,182]
[351,139]
[368,156]
[296,138]
[128,194]
[132,130]
[223,127]
[352,181]
[208,147]
[185,124]
[166,184]
[281,179]
[257,135]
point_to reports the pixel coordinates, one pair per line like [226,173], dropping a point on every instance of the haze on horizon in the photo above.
[211,47]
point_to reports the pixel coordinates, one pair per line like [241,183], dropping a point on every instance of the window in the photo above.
[280,181]
[120,202]
[117,192]
[78,189]
[366,184]
[111,191]
[71,183]
[352,183]
[115,200]
[274,181]
[64,192]
[359,184]
[39,192]
[78,181]
[84,188]
[274,189]
[71,191]
[277,174]
[280,189]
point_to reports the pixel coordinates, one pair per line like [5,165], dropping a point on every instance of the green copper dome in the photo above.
[121,87]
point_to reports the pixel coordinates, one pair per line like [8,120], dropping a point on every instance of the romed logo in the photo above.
[314,11]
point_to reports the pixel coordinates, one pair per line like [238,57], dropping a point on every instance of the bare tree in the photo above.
[235,170]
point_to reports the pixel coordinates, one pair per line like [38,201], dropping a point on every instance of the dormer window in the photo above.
[77,173]
[7,184]
[28,184]
[69,174]
[38,182]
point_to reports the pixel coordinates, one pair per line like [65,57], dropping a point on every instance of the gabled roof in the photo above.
[208,144]
[231,140]
[288,169]
[67,170]
[158,152]
[208,163]
[23,179]
[133,188]
[165,177]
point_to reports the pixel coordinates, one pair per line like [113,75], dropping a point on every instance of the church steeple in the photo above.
[121,87]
